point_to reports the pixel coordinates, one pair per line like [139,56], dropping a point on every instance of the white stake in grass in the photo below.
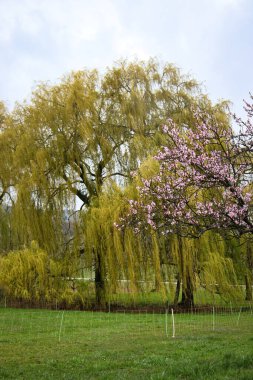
[166,323]
[213,318]
[173,323]
[239,315]
[60,330]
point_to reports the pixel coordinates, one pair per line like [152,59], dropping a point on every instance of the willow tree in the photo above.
[4,172]
[31,275]
[134,261]
[7,177]
[91,128]
[120,259]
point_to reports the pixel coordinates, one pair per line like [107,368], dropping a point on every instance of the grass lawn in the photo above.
[42,344]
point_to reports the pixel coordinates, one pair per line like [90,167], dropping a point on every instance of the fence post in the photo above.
[239,315]
[166,322]
[173,323]
[213,318]
[60,330]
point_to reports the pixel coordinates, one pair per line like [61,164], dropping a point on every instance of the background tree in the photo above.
[90,129]
[204,181]
[68,155]
[7,178]
[4,172]
[193,263]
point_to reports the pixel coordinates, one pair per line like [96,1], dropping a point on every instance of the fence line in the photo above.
[19,324]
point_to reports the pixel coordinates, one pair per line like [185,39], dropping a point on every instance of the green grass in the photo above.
[42,344]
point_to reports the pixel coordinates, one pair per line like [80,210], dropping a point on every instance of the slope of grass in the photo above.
[41,344]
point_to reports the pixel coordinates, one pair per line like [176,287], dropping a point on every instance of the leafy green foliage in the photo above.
[29,274]
[65,176]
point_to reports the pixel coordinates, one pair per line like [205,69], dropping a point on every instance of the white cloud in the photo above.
[131,47]
[232,4]
[76,20]
[42,40]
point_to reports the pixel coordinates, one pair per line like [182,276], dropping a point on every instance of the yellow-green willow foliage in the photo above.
[126,260]
[30,275]
[216,270]
[183,254]
[246,254]
[24,274]
[71,140]
[89,128]
[8,179]
[193,264]
[105,247]
[34,220]
[4,230]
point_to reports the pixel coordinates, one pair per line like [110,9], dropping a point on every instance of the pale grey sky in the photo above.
[44,39]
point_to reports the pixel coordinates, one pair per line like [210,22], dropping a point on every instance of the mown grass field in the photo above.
[43,344]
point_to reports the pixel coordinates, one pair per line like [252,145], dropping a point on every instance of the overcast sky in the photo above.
[44,39]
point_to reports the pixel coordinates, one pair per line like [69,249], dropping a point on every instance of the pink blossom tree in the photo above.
[204,181]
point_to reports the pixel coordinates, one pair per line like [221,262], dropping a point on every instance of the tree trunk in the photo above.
[187,293]
[100,280]
[249,275]
[177,292]
[248,283]
[187,286]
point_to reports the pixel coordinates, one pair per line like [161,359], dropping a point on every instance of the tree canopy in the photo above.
[204,180]
[66,175]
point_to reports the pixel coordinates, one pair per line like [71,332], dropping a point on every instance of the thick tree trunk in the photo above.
[248,283]
[187,293]
[249,275]
[177,292]
[100,280]
[187,286]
